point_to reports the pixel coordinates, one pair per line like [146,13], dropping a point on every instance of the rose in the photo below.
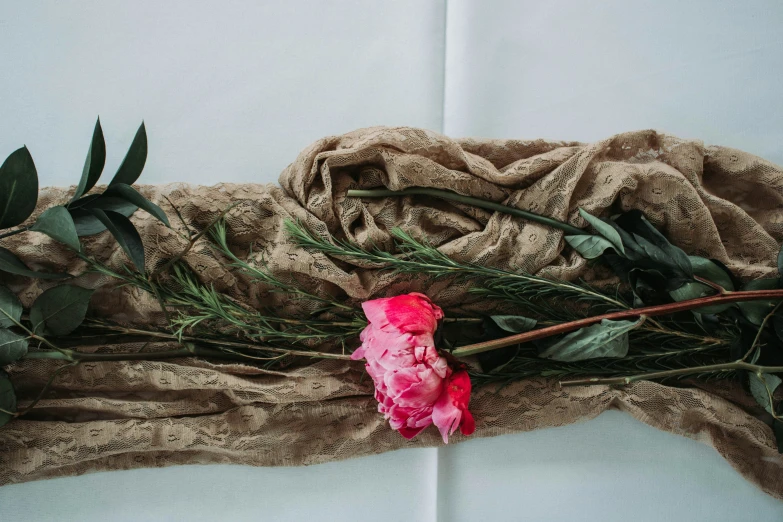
[414,385]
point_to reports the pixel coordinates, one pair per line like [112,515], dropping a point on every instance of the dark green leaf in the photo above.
[589,247]
[133,164]
[13,265]
[18,188]
[777,324]
[10,308]
[93,165]
[777,429]
[608,339]
[60,310]
[605,230]
[125,233]
[780,262]
[87,224]
[57,223]
[693,290]
[514,323]
[762,386]
[7,398]
[664,253]
[756,311]
[130,195]
[709,270]
[12,347]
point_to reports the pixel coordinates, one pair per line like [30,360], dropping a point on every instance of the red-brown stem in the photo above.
[649,311]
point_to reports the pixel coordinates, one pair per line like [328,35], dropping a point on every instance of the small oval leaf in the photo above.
[514,323]
[60,310]
[756,311]
[131,195]
[18,188]
[125,233]
[607,339]
[87,224]
[13,265]
[7,398]
[762,386]
[10,308]
[589,247]
[134,161]
[12,347]
[57,223]
[93,165]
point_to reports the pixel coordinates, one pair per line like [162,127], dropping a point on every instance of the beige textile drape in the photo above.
[711,201]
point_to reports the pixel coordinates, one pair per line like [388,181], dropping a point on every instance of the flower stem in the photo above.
[488,205]
[649,311]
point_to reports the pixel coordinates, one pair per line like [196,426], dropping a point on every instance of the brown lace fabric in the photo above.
[712,201]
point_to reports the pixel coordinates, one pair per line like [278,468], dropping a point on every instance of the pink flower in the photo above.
[410,376]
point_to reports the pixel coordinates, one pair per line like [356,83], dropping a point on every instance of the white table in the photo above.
[232,91]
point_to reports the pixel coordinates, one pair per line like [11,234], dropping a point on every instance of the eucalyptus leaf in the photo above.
[756,311]
[131,195]
[13,265]
[607,339]
[589,247]
[7,398]
[709,270]
[18,188]
[695,290]
[605,230]
[12,347]
[57,223]
[762,387]
[93,164]
[134,161]
[10,308]
[651,244]
[514,323]
[60,310]
[777,429]
[125,233]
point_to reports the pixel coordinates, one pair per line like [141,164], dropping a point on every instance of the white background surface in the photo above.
[231,91]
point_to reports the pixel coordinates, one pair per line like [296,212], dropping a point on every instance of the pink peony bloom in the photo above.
[410,376]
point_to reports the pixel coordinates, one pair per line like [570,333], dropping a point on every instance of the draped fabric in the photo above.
[711,201]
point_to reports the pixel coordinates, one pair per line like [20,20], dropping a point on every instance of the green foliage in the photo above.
[605,231]
[763,386]
[513,323]
[130,195]
[12,347]
[7,398]
[131,167]
[57,223]
[10,308]
[125,233]
[756,311]
[60,310]
[18,188]
[590,247]
[13,265]
[93,164]
[607,339]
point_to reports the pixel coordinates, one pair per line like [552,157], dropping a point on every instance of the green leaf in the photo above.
[57,223]
[18,188]
[514,323]
[13,265]
[777,429]
[93,165]
[589,247]
[756,311]
[677,257]
[125,233]
[10,308]
[133,164]
[7,398]
[762,386]
[129,194]
[607,339]
[710,271]
[605,230]
[780,262]
[12,347]
[87,224]
[60,310]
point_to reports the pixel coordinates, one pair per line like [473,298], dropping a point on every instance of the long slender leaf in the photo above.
[131,195]
[590,247]
[7,398]
[93,164]
[607,339]
[605,230]
[134,161]
[125,233]
[18,188]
